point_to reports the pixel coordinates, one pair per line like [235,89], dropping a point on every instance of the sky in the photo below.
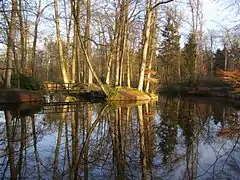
[216,16]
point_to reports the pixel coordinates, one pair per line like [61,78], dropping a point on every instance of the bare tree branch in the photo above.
[161,3]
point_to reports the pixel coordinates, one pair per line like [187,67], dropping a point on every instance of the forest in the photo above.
[130,43]
[146,46]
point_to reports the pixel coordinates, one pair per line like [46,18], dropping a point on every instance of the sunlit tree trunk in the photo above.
[87,58]
[60,46]
[10,45]
[68,26]
[111,56]
[128,65]
[153,45]
[124,6]
[117,59]
[74,54]
[118,26]
[75,46]
[146,37]
[87,37]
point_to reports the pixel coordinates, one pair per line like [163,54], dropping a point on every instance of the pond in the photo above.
[173,138]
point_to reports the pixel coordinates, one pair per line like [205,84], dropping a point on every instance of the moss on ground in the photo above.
[130,94]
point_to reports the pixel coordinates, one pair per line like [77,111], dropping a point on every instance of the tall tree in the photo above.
[60,45]
[169,51]
[196,8]
[87,58]
[190,55]
[87,36]
[125,33]
[37,20]
[152,47]
[10,44]
[210,42]
[150,6]
[146,37]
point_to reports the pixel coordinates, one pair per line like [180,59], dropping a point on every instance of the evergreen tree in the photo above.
[169,51]
[190,55]
[219,59]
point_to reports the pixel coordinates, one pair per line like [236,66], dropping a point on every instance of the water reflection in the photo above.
[169,139]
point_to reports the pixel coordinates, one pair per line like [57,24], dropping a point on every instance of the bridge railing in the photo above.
[63,86]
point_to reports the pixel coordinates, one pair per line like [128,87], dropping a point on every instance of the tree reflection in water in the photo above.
[169,139]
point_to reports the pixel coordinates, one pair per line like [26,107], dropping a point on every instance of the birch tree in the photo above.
[146,37]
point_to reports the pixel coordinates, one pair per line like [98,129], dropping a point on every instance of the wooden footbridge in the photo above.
[78,90]
[74,89]
[66,87]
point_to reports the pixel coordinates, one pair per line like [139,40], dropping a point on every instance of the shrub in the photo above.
[26,82]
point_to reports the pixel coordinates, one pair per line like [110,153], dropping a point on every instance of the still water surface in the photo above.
[169,139]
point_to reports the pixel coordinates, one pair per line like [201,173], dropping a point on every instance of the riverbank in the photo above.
[207,88]
[15,95]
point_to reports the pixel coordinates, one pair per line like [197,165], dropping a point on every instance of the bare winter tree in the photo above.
[10,44]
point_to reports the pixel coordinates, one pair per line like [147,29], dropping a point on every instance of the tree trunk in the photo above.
[87,58]
[124,39]
[87,36]
[59,43]
[74,54]
[22,39]
[35,37]
[118,37]
[111,56]
[146,36]
[10,45]
[110,64]
[75,46]
[117,60]
[128,65]
[225,57]
[153,46]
